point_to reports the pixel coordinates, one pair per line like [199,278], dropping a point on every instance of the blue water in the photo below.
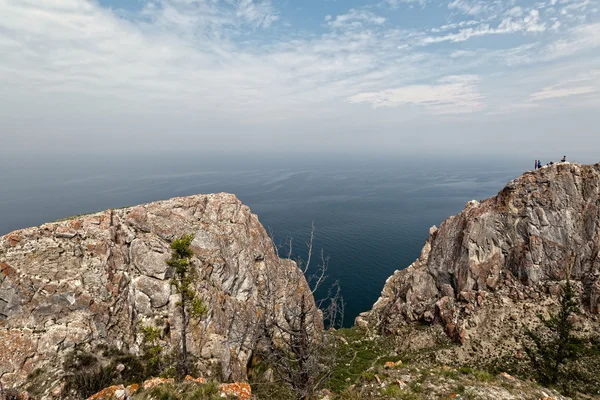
[372,213]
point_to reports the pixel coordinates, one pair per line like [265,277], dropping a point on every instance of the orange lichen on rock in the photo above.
[507,376]
[13,239]
[7,271]
[109,393]
[150,383]
[391,364]
[99,248]
[241,390]
[116,392]
[76,224]
[16,346]
[131,389]
[195,380]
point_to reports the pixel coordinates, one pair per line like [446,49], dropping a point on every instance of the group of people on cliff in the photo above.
[538,163]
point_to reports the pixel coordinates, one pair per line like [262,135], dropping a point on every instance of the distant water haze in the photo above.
[372,213]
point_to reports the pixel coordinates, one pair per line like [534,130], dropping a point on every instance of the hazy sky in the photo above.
[264,75]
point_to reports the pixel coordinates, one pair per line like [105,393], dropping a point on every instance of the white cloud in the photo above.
[576,40]
[463,53]
[354,19]
[581,90]
[556,25]
[396,3]
[554,93]
[259,14]
[580,38]
[207,19]
[460,24]
[230,62]
[481,8]
[532,22]
[582,84]
[515,11]
[482,30]
[575,6]
[469,7]
[451,95]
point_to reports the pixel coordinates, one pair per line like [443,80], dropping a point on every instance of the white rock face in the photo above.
[91,280]
[489,269]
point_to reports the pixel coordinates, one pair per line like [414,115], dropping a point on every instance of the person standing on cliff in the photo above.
[535,164]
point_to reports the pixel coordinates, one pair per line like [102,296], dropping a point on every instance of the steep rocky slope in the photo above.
[92,279]
[490,269]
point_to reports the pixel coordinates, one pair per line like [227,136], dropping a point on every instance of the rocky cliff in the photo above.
[92,279]
[490,269]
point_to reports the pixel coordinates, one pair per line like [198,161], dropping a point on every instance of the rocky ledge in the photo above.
[91,280]
[490,269]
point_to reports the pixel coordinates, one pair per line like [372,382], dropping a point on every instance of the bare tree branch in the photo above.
[292,335]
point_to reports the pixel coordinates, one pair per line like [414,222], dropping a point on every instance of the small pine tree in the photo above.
[555,346]
[190,304]
[152,350]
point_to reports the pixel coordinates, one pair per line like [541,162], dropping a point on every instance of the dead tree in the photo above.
[293,338]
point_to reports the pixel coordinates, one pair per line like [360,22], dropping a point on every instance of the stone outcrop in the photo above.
[93,279]
[490,269]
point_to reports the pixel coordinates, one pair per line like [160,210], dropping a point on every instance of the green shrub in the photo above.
[152,349]
[395,392]
[368,376]
[356,357]
[87,382]
[350,393]
[416,387]
[466,370]
[448,373]
[552,348]
[560,354]
[392,391]
[86,374]
[11,394]
[164,392]
[272,391]
[483,376]
[134,372]
[35,373]
[181,391]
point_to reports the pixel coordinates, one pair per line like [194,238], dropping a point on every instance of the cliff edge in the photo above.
[489,270]
[91,280]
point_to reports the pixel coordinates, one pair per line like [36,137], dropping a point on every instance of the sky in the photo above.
[400,76]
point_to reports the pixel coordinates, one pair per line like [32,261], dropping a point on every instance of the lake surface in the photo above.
[372,213]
